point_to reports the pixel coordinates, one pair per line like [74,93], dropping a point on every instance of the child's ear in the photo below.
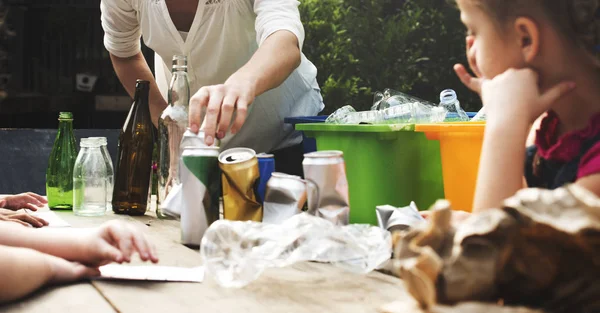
[528,36]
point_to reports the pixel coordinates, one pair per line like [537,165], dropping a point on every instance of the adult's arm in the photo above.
[122,35]
[280,36]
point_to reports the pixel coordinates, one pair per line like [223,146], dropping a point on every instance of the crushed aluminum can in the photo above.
[327,186]
[395,219]
[240,175]
[200,192]
[285,197]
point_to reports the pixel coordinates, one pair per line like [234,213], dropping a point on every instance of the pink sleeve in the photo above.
[590,162]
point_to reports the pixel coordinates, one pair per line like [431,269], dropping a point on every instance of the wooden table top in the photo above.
[304,287]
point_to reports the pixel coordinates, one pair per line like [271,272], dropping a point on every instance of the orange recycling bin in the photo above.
[460,148]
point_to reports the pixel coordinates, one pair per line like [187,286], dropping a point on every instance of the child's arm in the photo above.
[23,271]
[502,162]
[513,102]
[113,241]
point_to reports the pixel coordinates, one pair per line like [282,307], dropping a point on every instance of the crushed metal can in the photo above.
[285,197]
[199,172]
[397,219]
[327,186]
[240,176]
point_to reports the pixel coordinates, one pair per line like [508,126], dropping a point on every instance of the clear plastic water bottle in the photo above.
[449,100]
[110,171]
[89,180]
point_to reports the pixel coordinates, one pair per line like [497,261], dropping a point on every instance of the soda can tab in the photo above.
[266,167]
[327,186]
[240,175]
[200,192]
[285,197]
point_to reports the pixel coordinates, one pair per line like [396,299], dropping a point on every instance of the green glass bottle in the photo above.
[59,174]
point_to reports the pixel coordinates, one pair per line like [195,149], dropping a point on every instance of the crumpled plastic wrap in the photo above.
[541,250]
[235,253]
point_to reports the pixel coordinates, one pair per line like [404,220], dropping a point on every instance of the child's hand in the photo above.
[22,218]
[64,271]
[28,200]
[115,241]
[514,94]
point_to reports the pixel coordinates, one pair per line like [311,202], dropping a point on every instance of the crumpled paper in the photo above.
[541,250]
[237,252]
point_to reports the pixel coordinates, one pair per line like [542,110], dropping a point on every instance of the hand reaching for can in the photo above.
[215,105]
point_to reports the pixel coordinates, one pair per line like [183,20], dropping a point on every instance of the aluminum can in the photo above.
[285,197]
[266,167]
[199,172]
[239,167]
[327,186]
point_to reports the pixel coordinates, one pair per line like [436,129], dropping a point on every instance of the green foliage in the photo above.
[363,46]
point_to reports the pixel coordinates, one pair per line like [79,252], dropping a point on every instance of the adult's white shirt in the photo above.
[223,37]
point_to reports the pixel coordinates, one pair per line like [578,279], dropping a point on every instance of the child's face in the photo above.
[490,51]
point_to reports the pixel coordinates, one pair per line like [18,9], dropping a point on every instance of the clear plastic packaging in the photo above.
[236,253]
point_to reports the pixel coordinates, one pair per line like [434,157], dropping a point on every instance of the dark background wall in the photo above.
[47,44]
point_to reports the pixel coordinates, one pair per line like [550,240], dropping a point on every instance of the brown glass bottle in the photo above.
[134,160]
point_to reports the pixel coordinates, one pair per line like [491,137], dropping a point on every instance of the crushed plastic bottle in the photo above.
[415,112]
[481,116]
[236,253]
[339,115]
[449,100]
[365,117]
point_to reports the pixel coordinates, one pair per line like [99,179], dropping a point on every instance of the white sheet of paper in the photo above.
[152,273]
[52,219]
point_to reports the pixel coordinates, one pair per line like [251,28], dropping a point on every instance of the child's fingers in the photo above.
[19,222]
[122,238]
[555,93]
[39,198]
[32,220]
[31,206]
[471,82]
[110,253]
[142,246]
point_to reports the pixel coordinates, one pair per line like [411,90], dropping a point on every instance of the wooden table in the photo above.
[304,287]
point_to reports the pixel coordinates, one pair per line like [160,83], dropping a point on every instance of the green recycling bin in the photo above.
[385,164]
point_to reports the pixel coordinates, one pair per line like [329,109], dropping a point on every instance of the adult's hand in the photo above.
[277,57]
[218,102]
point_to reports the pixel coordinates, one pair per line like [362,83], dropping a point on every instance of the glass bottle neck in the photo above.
[65,125]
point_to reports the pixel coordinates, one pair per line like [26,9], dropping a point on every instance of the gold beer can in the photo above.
[239,168]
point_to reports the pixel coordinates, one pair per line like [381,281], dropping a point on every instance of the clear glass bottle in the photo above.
[110,171]
[59,174]
[172,125]
[90,179]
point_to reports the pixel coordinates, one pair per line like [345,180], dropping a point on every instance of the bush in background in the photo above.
[363,46]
